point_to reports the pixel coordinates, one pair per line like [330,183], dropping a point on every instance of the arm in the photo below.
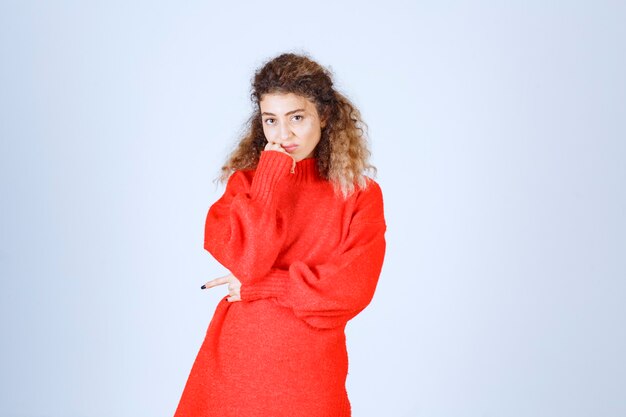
[328,295]
[243,229]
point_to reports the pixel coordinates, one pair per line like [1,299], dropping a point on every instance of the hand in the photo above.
[273,146]
[234,286]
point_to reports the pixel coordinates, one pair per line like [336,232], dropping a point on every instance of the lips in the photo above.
[290,148]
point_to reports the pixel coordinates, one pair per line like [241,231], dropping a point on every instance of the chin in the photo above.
[299,158]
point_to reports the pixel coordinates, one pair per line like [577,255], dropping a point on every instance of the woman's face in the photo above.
[291,121]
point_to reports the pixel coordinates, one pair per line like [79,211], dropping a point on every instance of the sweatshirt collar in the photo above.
[306,170]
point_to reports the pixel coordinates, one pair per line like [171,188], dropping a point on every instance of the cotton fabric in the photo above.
[309,261]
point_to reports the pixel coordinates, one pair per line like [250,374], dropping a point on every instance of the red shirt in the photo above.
[309,261]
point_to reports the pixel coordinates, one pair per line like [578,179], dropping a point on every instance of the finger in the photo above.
[216,281]
[273,146]
[233,298]
[276,148]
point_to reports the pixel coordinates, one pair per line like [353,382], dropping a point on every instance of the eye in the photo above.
[267,120]
[300,117]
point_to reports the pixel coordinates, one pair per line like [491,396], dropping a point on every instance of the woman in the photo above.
[301,230]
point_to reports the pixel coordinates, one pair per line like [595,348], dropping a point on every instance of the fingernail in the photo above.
[203,287]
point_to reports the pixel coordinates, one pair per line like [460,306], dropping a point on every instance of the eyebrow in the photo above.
[286,114]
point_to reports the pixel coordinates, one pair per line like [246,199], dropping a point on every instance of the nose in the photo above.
[284,132]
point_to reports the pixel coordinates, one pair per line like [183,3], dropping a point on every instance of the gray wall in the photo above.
[498,131]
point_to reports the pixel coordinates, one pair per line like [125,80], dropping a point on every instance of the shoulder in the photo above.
[372,188]
[368,201]
[240,179]
[371,192]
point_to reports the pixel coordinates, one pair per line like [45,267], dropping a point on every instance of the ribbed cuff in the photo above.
[272,167]
[273,285]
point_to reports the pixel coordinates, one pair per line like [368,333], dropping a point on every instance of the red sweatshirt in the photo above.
[308,262]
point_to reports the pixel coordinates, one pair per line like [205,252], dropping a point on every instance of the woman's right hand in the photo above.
[234,286]
[273,146]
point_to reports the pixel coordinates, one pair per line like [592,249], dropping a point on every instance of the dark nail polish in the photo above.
[203,287]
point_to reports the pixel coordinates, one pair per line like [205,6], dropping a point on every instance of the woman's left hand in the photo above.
[234,286]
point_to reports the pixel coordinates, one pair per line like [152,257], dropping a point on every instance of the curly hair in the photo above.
[342,153]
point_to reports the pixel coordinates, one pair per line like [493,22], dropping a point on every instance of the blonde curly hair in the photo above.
[342,152]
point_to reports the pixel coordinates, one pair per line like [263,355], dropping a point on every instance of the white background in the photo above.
[498,129]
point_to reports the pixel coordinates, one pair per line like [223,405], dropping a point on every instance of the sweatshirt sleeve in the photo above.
[329,294]
[244,230]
